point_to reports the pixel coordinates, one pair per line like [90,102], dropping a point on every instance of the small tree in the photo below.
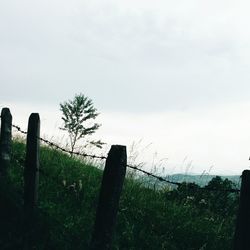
[78,115]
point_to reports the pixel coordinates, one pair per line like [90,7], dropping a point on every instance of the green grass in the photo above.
[147,218]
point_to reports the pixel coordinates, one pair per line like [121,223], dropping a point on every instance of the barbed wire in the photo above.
[54,145]
[154,176]
[159,178]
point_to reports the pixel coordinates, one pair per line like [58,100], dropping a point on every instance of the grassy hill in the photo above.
[148,218]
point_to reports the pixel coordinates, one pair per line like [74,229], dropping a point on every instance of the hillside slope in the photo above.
[147,219]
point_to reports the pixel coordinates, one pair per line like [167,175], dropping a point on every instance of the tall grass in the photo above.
[147,219]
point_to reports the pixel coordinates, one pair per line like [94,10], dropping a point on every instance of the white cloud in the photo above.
[158,61]
[215,137]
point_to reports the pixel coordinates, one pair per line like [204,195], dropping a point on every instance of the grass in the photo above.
[147,218]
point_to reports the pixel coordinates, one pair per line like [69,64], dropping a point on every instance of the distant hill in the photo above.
[202,180]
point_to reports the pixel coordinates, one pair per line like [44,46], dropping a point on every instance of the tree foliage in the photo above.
[78,115]
[213,197]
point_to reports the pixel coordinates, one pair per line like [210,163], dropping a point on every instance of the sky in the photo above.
[171,77]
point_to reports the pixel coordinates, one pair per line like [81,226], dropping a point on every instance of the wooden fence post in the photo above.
[112,182]
[31,177]
[31,174]
[5,140]
[242,231]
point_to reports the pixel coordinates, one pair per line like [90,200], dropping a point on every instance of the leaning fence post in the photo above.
[31,174]
[5,140]
[111,187]
[242,231]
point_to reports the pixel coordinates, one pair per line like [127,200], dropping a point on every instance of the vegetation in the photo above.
[181,219]
[77,115]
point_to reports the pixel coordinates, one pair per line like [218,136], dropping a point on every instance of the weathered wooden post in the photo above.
[5,140]
[31,177]
[112,182]
[242,231]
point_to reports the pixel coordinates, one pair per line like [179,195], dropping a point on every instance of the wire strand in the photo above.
[159,178]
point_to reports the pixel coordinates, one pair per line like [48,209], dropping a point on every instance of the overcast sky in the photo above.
[172,73]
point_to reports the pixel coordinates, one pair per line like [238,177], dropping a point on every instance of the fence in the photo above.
[111,187]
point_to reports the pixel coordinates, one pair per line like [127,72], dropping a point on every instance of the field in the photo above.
[186,218]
